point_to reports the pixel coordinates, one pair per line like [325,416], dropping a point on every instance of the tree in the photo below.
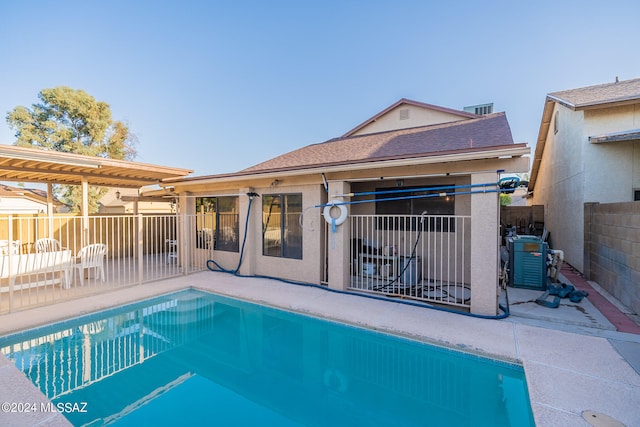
[505,199]
[72,121]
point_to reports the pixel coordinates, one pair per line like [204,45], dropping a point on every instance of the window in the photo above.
[636,195]
[416,205]
[281,229]
[217,223]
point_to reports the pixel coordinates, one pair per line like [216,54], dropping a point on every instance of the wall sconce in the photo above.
[275,183]
[118,194]
[399,182]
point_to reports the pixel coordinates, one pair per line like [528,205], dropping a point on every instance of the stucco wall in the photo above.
[560,184]
[306,269]
[612,243]
[416,117]
[574,171]
[18,205]
[613,169]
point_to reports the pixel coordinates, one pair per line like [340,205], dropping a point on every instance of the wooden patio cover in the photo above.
[36,165]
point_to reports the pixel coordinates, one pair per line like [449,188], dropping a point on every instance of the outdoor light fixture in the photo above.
[118,194]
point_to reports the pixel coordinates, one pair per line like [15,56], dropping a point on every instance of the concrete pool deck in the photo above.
[572,371]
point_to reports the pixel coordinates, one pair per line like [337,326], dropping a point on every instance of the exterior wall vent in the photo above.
[480,110]
[404,114]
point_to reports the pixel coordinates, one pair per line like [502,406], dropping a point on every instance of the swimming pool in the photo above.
[193,358]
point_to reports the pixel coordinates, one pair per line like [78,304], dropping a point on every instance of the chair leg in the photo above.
[81,271]
[66,275]
[102,272]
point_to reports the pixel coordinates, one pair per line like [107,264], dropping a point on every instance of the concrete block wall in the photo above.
[612,249]
[526,219]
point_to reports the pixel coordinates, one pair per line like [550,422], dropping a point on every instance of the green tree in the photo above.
[72,121]
[505,199]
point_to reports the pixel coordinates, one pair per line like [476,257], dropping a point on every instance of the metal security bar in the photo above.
[45,259]
[425,257]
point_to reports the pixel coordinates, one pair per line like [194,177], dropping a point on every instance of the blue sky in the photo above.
[217,86]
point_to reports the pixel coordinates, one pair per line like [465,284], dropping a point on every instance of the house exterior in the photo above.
[279,211]
[588,150]
[128,201]
[18,200]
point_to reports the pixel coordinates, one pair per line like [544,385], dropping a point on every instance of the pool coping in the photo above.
[567,373]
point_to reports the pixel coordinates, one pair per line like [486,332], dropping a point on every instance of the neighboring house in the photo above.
[588,150]
[391,223]
[18,200]
[128,201]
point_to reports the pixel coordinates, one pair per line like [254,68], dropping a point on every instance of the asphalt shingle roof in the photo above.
[600,94]
[466,135]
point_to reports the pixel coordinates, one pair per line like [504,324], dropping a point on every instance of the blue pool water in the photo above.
[194,358]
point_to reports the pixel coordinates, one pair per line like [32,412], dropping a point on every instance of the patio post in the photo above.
[85,211]
[186,211]
[139,234]
[50,209]
[485,235]
[338,242]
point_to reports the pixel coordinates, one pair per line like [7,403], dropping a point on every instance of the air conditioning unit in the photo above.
[528,261]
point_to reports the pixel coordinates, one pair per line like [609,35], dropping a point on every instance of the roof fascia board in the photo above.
[545,123]
[561,102]
[33,155]
[607,103]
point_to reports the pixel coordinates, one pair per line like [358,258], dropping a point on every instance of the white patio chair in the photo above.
[7,247]
[172,253]
[47,244]
[92,256]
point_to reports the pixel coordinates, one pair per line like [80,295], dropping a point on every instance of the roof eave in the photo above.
[545,123]
[512,150]
[606,103]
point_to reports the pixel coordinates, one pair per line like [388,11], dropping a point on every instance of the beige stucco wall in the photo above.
[613,166]
[254,262]
[574,171]
[310,268]
[306,269]
[417,116]
[560,184]
[17,205]
[484,248]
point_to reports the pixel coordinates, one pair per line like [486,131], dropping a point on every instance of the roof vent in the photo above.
[404,114]
[481,109]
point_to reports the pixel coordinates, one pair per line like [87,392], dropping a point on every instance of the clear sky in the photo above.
[217,86]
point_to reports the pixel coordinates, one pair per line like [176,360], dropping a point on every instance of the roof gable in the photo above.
[407,114]
[461,136]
